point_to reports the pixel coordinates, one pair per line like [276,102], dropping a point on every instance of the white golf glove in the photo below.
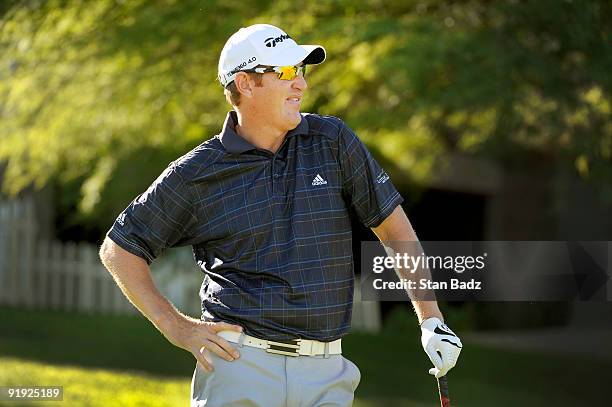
[441,345]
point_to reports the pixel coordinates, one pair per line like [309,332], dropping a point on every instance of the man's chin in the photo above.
[294,120]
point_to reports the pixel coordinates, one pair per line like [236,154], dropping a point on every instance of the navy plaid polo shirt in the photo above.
[271,232]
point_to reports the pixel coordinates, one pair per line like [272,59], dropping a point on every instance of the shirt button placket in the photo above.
[276,177]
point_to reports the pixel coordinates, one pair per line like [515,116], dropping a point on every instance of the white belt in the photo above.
[296,347]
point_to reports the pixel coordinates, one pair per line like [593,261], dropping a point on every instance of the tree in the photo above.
[89,89]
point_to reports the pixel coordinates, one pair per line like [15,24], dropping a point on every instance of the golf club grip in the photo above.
[443,389]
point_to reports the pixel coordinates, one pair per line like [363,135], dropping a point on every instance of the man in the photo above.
[265,206]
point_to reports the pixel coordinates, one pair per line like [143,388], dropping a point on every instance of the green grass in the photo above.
[95,387]
[121,360]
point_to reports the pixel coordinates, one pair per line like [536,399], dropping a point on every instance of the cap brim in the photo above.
[316,54]
[309,54]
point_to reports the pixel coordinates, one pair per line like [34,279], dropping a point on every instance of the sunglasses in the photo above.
[285,73]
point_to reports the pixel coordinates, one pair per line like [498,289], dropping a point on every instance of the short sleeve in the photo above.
[162,217]
[366,186]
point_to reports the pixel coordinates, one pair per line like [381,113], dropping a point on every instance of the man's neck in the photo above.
[260,134]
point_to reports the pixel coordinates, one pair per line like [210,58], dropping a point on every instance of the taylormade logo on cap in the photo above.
[263,44]
[271,42]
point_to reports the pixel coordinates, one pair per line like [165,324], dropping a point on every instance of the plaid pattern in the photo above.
[271,232]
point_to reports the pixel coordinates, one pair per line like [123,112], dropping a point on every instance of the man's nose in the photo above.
[300,83]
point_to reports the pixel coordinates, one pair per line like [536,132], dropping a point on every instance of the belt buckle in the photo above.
[289,348]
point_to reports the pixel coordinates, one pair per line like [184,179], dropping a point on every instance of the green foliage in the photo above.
[401,320]
[91,88]
[87,87]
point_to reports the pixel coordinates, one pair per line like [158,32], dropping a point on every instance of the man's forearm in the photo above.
[396,233]
[423,300]
[427,309]
[133,276]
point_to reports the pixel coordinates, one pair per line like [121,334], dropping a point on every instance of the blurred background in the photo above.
[493,119]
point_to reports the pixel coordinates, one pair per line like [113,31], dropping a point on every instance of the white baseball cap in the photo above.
[263,44]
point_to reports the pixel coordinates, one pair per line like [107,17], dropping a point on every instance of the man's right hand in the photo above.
[133,276]
[200,337]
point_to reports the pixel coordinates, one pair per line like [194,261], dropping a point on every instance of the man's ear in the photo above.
[243,84]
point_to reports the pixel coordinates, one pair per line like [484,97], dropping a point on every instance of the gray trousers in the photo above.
[261,379]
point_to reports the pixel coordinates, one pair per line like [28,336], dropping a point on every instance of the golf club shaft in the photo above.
[443,390]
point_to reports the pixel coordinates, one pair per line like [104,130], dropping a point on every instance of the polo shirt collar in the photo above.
[235,144]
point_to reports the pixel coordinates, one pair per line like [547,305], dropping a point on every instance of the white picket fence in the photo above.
[37,273]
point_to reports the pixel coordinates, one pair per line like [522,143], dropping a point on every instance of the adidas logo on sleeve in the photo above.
[318,180]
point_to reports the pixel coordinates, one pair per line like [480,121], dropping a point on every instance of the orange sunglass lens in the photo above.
[287,72]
